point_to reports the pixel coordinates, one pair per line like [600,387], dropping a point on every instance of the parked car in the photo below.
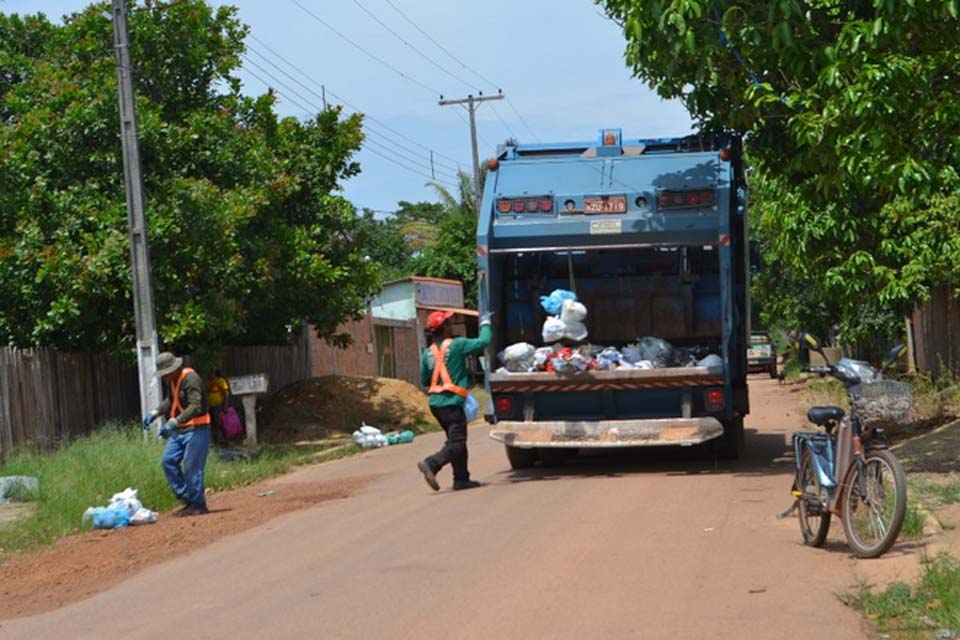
[762,354]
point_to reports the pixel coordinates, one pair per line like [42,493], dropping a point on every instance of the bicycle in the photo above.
[871,497]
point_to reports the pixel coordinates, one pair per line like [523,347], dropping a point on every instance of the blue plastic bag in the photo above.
[470,407]
[105,518]
[553,303]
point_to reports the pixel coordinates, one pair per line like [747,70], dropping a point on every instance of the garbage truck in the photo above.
[651,236]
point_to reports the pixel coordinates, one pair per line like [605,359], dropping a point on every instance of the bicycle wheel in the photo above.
[814,518]
[872,522]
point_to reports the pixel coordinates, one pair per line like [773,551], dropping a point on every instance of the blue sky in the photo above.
[559,61]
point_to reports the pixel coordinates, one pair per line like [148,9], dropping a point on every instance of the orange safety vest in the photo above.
[176,408]
[440,373]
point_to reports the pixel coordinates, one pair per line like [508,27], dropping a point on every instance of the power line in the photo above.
[413,48]
[535,136]
[357,46]
[422,175]
[404,153]
[349,104]
[369,132]
[441,47]
[422,165]
[270,86]
[467,122]
[503,122]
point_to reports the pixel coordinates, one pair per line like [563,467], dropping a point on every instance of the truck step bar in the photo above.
[606,380]
[607,433]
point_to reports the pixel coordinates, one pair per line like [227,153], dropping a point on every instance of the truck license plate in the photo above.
[607,204]
[605,227]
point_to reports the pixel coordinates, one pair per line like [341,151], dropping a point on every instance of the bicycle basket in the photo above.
[885,403]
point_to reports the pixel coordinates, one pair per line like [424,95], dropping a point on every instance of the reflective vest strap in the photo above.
[440,373]
[176,408]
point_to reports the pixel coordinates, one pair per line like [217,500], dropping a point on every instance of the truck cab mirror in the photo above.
[756,259]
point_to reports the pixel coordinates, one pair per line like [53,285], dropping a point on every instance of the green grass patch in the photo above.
[88,470]
[939,494]
[913,522]
[915,611]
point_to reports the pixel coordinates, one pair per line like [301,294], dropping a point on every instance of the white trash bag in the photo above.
[553,329]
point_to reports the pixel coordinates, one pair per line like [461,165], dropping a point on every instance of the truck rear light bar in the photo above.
[686,199]
[540,204]
[713,399]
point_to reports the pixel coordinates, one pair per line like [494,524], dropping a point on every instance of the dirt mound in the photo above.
[332,406]
[81,565]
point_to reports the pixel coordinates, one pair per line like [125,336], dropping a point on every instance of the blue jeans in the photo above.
[189,447]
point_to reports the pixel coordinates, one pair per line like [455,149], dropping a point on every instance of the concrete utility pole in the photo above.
[470,103]
[136,220]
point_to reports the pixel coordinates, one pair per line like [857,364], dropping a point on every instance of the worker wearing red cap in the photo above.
[443,372]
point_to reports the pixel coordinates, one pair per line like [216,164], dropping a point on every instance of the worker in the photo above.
[187,425]
[443,372]
[218,398]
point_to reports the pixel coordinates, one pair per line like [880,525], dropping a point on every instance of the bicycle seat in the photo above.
[822,416]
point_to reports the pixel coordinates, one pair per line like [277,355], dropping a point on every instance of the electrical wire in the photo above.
[279,93]
[503,122]
[413,48]
[370,55]
[348,103]
[510,102]
[467,122]
[423,175]
[450,167]
[403,153]
[441,47]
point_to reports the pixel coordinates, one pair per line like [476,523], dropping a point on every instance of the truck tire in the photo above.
[774,374]
[730,444]
[521,458]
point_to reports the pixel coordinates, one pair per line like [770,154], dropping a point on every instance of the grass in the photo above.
[89,470]
[937,494]
[915,611]
[914,521]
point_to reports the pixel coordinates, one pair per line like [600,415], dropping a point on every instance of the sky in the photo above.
[559,62]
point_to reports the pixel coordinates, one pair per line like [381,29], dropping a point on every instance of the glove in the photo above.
[485,317]
[148,419]
[168,429]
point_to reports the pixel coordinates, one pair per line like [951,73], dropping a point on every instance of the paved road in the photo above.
[625,546]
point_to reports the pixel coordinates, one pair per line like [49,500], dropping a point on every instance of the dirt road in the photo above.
[654,545]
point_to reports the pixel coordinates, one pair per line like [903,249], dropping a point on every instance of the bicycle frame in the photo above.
[832,455]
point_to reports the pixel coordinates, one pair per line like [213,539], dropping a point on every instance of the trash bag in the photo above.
[553,303]
[658,351]
[712,361]
[370,437]
[608,359]
[572,311]
[540,358]
[230,423]
[553,329]
[470,407]
[518,357]
[107,518]
[631,354]
[575,330]
[402,437]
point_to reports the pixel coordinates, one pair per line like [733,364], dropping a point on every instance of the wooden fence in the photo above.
[47,396]
[936,332]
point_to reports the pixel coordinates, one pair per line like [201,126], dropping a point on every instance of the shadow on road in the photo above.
[765,454]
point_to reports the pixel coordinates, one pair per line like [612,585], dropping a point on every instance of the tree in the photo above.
[246,231]
[453,254]
[851,122]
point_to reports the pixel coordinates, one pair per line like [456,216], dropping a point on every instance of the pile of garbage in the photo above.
[124,509]
[566,322]
[372,438]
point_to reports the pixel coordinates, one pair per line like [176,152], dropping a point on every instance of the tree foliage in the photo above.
[247,232]
[851,117]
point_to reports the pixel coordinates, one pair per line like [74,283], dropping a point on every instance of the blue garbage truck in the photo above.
[652,237]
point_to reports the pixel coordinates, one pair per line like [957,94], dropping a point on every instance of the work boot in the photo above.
[191,510]
[460,485]
[428,475]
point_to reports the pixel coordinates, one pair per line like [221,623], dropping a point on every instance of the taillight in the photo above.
[686,199]
[714,399]
[504,407]
[541,204]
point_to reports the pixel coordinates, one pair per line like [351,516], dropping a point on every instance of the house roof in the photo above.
[424,279]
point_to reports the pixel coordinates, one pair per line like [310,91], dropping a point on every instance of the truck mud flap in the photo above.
[607,433]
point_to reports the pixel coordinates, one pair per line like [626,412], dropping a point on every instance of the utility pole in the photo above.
[136,220]
[470,103]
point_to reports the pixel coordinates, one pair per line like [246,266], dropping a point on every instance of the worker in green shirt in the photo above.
[443,372]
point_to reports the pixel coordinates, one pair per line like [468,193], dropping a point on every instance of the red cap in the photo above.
[436,319]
